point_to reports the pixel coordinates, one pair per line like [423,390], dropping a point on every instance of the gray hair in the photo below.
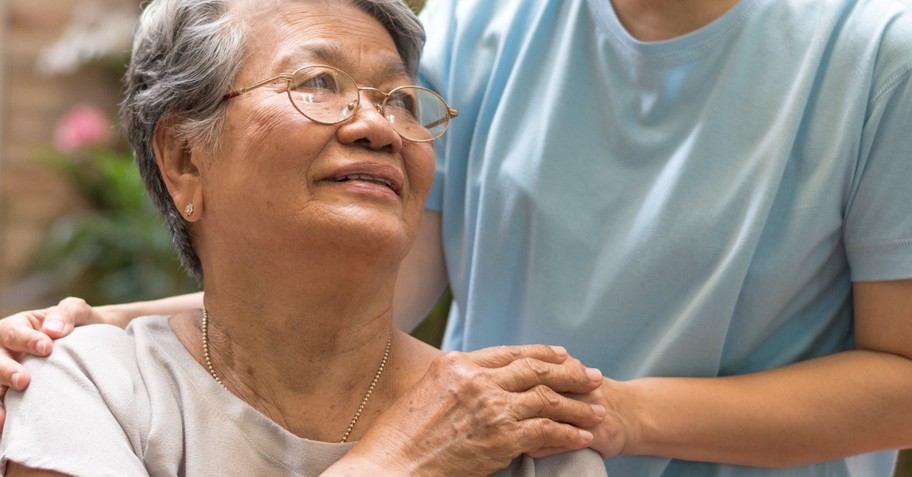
[186,54]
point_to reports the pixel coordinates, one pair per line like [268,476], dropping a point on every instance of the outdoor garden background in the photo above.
[73,216]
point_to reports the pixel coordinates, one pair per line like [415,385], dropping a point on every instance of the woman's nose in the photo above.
[370,127]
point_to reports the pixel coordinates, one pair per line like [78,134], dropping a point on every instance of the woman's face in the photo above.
[281,181]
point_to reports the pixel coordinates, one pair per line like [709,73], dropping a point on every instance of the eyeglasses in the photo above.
[328,95]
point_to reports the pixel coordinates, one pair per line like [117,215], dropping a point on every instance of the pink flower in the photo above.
[83,125]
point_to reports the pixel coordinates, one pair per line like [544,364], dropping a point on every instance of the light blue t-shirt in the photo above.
[691,207]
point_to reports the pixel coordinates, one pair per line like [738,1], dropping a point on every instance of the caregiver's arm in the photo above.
[32,332]
[422,275]
[820,409]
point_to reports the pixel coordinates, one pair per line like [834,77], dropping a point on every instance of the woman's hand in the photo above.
[473,413]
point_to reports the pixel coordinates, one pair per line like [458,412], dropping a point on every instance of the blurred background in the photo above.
[68,208]
[74,219]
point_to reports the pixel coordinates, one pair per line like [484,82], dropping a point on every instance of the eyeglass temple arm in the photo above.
[241,91]
[451,113]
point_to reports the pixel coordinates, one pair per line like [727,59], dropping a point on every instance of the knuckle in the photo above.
[515,352]
[459,374]
[446,363]
[509,353]
[449,359]
[534,435]
[8,337]
[547,396]
[573,362]
[536,367]
[72,301]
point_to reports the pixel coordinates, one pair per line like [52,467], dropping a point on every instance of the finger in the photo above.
[12,373]
[542,402]
[544,434]
[546,452]
[61,319]
[19,336]
[568,377]
[2,407]
[498,356]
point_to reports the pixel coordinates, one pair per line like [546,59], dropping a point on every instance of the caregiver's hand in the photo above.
[33,332]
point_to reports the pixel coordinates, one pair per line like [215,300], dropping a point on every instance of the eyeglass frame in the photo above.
[451,112]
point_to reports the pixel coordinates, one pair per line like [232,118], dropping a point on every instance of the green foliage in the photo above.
[431,329]
[116,249]
[416,5]
[904,466]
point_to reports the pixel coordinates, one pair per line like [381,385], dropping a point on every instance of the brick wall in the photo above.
[30,104]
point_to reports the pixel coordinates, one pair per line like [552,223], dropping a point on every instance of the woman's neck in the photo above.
[657,20]
[303,351]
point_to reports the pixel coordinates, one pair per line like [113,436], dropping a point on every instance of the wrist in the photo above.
[633,424]
[356,466]
[118,315]
[367,459]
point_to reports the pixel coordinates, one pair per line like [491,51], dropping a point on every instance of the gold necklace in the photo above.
[367,395]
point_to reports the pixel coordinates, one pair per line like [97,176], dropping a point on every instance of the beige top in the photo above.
[135,402]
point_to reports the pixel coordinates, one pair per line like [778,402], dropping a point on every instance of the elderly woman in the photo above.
[291,157]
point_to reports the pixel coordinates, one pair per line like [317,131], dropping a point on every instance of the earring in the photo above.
[188,210]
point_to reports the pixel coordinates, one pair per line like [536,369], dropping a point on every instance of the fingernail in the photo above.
[560,350]
[53,324]
[598,410]
[14,380]
[586,435]
[43,346]
[594,374]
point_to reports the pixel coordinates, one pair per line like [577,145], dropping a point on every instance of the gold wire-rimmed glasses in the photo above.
[328,95]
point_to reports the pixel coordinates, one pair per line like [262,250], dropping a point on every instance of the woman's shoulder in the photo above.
[98,353]
[90,340]
[85,339]
[85,410]
[413,357]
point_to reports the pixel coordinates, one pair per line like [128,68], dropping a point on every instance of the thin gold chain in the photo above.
[364,400]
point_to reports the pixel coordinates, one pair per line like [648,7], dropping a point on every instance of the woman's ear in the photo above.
[179,169]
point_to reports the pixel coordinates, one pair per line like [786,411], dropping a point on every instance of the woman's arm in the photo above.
[821,409]
[15,470]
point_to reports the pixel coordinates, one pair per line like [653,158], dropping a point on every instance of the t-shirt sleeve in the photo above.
[878,227]
[438,18]
[81,414]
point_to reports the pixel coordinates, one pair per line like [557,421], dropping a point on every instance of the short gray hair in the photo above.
[186,54]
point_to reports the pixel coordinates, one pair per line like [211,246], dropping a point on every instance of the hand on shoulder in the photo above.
[32,332]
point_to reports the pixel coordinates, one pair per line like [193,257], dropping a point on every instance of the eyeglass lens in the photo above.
[328,96]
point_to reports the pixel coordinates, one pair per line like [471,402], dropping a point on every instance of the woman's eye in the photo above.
[403,101]
[317,82]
